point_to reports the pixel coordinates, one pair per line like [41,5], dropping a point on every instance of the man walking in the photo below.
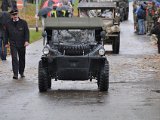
[17,33]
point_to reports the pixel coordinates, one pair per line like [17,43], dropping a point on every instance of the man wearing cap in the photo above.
[17,34]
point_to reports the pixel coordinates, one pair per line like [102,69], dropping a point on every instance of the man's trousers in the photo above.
[18,59]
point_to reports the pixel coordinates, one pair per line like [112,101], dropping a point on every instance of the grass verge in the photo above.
[34,36]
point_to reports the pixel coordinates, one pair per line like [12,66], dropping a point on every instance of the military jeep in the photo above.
[121,5]
[110,18]
[73,50]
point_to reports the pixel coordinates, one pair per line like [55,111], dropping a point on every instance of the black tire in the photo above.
[103,81]
[126,17]
[158,47]
[42,78]
[49,82]
[74,49]
[127,13]
[116,45]
[122,17]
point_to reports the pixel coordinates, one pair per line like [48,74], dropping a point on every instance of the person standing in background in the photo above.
[151,9]
[141,16]
[4,18]
[135,7]
[24,3]
[3,49]
[5,5]
[13,4]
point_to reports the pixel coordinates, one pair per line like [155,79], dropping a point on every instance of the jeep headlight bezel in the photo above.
[101,52]
[46,50]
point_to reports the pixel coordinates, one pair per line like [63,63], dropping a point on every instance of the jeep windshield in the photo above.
[73,36]
[107,13]
[97,9]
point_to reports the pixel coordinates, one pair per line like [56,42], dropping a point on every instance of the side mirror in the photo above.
[44,34]
[103,34]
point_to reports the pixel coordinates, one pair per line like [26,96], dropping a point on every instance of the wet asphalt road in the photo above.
[134,92]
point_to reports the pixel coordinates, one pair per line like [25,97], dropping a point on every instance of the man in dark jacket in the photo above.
[17,33]
[156,30]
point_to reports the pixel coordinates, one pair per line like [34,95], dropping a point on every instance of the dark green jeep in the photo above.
[73,50]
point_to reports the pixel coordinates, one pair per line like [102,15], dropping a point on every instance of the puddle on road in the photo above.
[75,97]
[157,91]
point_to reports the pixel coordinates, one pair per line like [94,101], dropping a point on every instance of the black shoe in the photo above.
[15,77]
[22,75]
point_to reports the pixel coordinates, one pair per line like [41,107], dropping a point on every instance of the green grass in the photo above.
[34,36]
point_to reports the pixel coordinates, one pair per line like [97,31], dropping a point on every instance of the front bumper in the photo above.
[73,67]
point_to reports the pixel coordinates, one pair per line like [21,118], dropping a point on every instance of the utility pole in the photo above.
[37,1]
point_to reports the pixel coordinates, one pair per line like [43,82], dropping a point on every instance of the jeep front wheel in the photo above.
[42,78]
[103,81]
[116,44]
[49,82]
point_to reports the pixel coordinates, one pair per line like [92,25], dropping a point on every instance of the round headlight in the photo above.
[101,52]
[45,51]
